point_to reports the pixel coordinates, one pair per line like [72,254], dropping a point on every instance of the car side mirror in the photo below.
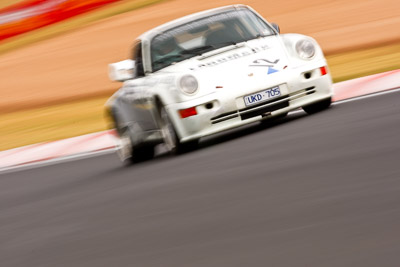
[276,27]
[122,71]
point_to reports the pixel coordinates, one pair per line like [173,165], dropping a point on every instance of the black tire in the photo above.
[319,106]
[171,139]
[130,154]
[143,153]
[187,147]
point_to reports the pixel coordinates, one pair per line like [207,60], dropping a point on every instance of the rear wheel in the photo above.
[170,136]
[142,153]
[317,107]
[127,153]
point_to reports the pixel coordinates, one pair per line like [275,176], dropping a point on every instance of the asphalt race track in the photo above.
[320,190]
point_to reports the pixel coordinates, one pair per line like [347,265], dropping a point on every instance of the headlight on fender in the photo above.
[188,84]
[305,49]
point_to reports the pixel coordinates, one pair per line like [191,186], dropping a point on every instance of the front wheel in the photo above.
[319,106]
[170,136]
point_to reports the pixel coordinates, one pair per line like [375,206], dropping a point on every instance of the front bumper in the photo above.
[225,110]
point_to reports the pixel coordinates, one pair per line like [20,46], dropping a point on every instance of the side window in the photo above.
[137,56]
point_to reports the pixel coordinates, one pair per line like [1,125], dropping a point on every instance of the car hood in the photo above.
[266,55]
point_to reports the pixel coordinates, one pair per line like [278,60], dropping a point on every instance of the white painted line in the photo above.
[54,161]
[160,149]
[388,91]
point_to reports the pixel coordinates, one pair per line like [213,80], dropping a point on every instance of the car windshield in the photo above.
[206,34]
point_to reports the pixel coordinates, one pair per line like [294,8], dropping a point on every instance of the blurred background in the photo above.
[54,53]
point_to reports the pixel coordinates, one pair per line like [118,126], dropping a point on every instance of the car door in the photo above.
[134,102]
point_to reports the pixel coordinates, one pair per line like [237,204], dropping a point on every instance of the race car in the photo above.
[209,72]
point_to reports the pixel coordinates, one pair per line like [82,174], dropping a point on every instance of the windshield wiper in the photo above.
[198,50]
[259,36]
[171,59]
[219,45]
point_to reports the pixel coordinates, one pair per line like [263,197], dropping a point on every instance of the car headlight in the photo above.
[188,84]
[305,49]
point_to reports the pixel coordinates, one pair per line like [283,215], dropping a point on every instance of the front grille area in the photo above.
[264,107]
[224,116]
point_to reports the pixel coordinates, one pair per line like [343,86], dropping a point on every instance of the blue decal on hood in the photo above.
[271,70]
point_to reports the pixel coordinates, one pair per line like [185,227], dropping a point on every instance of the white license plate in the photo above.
[262,96]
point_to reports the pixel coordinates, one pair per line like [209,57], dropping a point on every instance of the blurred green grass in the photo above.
[359,63]
[51,123]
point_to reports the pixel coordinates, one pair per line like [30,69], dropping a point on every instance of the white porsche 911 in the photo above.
[209,72]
